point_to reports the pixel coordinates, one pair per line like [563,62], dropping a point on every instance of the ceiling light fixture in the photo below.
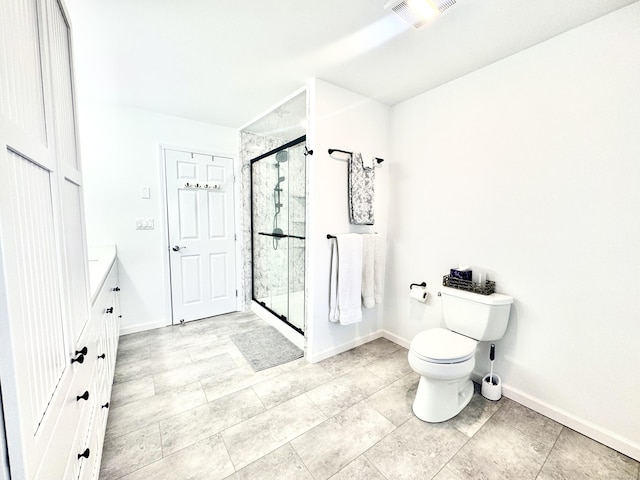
[418,12]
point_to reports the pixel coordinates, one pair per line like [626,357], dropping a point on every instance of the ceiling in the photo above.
[225,62]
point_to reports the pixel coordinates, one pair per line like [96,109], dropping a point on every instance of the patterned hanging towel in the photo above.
[361,186]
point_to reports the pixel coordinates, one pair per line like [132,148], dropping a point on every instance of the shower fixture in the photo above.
[281,157]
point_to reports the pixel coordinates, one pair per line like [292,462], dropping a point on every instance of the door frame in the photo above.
[164,223]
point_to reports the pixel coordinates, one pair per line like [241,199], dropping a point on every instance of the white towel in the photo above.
[368,269]
[378,271]
[346,279]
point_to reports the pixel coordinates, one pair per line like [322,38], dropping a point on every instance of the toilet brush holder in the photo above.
[491,387]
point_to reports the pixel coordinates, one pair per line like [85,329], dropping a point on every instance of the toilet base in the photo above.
[439,400]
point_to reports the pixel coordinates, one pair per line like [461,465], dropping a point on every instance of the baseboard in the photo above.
[141,327]
[396,339]
[606,437]
[356,342]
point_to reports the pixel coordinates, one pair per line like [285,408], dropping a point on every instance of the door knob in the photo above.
[177,248]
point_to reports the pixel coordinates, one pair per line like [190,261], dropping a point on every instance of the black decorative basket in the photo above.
[486,288]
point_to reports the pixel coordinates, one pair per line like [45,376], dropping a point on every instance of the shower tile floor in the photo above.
[186,405]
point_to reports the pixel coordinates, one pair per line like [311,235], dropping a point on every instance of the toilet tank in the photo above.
[483,317]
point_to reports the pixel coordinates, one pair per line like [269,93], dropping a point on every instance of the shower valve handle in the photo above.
[176,248]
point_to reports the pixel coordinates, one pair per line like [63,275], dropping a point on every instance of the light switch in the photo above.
[145,193]
[144,224]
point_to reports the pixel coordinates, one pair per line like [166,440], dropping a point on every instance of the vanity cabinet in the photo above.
[86,452]
[50,336]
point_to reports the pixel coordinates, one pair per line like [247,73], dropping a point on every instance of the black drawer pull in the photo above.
[106,405]
[101,356]
[109,310]
[116,289]
[84,454]
[80,359]
[84,396]
[83,351]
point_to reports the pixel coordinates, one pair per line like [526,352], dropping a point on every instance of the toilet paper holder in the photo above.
[423,284]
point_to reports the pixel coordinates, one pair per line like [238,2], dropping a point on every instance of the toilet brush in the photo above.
[492,357]
[491,384]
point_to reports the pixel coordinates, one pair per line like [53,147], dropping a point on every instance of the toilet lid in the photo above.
[439,345]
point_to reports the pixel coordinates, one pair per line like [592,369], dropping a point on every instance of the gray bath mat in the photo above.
[265,347]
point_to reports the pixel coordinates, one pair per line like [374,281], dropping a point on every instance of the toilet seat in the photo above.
[439,345]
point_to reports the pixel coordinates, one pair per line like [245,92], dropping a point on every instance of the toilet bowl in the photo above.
[445,357]
[444,360]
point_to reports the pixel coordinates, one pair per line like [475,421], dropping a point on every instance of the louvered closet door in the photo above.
[44,303]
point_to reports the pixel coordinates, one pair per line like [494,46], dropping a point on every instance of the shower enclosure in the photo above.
[278,209]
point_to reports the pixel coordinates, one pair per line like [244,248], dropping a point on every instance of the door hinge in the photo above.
[236,292]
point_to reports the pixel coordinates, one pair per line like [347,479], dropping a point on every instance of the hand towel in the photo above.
[361,190]
[368,269]
[345,285]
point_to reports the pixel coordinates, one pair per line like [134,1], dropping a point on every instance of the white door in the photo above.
[201,234]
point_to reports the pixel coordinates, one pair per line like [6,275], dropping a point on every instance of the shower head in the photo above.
[282,156]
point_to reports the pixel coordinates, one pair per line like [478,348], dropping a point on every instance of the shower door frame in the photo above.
[281,317]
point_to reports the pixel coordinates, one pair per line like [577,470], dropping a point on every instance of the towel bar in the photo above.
[331,150]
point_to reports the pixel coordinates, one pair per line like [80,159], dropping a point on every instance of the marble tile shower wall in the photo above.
[251,146]
[283,266]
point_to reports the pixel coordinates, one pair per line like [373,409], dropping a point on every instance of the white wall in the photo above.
[121,154]
[530,168]
[348,121]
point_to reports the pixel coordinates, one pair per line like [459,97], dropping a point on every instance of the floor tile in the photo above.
[253,438]
[576,456]
[359,469]
[206,460]
[131,391]
[391,367]
[281,464]
[208,350]
[343,363]
[500,452]
[333,444]
[206,420]
[416,449]
[476,414]
[236,379]
[395,401]
[130,452]
[134,416]
[181,342]
[342,392]
[192,372]
[376,349]
[535,425]
[125,372]
[291,384]
[446,474]
[132,355]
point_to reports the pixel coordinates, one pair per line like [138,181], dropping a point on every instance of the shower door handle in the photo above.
[176,248]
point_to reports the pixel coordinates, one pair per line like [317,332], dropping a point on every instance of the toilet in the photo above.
[444,357]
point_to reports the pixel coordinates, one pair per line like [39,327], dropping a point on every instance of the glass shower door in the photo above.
[278,208]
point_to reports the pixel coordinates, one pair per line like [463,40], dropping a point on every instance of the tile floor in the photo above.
[185,405]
